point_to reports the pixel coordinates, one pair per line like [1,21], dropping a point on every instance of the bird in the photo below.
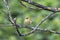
[27,21]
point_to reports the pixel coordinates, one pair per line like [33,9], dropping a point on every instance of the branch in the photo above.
[10,17]
[38,29]
[42,6]
[43,30]
[28,6]
[44,19]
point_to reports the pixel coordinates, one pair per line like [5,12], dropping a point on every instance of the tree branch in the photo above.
[10,17]
[44,19]
[31,28]
[42,6]
[28,6]
[36,27]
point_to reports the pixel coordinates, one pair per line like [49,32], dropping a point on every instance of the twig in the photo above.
[42,6]
[28,6]
[38,29]
[43,30]
[39,24]
[10,17]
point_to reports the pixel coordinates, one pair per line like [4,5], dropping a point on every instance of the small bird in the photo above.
[27,21]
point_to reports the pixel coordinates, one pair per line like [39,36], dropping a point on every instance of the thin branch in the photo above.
[28,6]
[38,29]
[42,6]
[10,17]
[43,30]
[44,19]
[9,13]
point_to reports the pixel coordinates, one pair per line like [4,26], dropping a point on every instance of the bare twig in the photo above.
[38,29]
[10,17]
[28,6]
[39,24]
[42,6]
[43,30]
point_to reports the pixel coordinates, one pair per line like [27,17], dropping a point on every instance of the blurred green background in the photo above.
[8,32]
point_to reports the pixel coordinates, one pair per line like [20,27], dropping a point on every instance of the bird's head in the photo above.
[27,17]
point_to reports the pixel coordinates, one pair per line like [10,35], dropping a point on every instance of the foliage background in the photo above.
[8,32]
